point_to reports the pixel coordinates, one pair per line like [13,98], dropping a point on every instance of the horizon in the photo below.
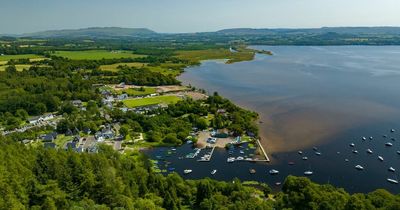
[178,16]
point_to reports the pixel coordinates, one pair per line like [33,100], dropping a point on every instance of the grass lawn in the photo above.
[168,69]
[15,57]
[19,67]
[137,91]
[211,54]
[95,54]
[114,67]
[62,140]
[130,103]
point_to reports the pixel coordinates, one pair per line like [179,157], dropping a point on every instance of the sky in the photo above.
[173,16]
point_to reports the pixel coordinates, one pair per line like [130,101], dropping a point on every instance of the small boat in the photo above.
[240,158]
[370,138]
[305,158]
[315,148]
[393,181]
[273,172]
[346,160]
[318,153]
[398,152]
[393,130]
[392,169]
[252,171]
[300,152]
[338,153]
[355,151]
[278,183]
[241,152]
[189,142]
[380,158]
[358,167]
[230,160]
[187,171]
[369,151]
[384,136]
[364,138]
[308,173]
[393,139]
[388,144]
[171,169]
[173,149]
[248,159]
[213,171]
[352,145]
[290,163]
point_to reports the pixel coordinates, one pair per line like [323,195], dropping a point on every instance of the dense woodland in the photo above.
[38,178]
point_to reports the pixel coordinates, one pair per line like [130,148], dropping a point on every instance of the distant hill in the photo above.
[95,32]
[338,30]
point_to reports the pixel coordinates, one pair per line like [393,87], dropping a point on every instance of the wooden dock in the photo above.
[263,151]
[208,159]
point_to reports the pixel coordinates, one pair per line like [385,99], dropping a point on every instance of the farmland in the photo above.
[95,54]
[167,99]
[114,67]
[19,67]
[23,56]
[164,68]
[196,56]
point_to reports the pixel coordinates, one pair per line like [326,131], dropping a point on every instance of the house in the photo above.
[50,137]
[105,133]
[49,145]
[70,145]
[77,103]
[69,132]
[35,120]
[122,96]
[121,85]
[48,117]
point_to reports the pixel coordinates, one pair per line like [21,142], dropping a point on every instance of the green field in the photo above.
[212,54]
[114,67]
[16,57]
[95,54]
[19,67]
[137,91]
[131,103]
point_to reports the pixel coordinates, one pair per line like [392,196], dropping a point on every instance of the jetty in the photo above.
[207,158]
[263,151]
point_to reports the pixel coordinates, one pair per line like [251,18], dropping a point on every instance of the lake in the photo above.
[325,97]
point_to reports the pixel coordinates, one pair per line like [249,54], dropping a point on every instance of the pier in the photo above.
[262,150]
[208,159]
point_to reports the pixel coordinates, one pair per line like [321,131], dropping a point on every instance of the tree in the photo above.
[39,109]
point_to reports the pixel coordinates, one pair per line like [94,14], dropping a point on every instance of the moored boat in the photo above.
[300,152]
[388,144]
[273,172]
[213,171]
[369,151]
[359,167]
[305,158]
[308,173]
[187,171]
[393,181]
[318,153]
[252,171]
[380,158]
[230,160]
[364,138]
[392,169]
[352,145]
[355,151]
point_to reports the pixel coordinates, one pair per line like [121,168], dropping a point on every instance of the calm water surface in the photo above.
[327,97]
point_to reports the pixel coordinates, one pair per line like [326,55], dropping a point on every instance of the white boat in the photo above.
[371,137]
[308,173]
[315,148]
[392,169]
[392,130]
[230,160]
[380,158]
[273,172]
[364,138]
[369,151]
[300,152]
[352,145]
[240,158]
[388,144]
[248,159]
[393,181]
[252,171]
[187,171]
[347,160]
[213,171]
[358,167]
[355,151]
[305,158]
[318,153]
[241,152]
[398,152]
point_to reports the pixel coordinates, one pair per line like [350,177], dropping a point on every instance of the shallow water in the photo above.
[314,96]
